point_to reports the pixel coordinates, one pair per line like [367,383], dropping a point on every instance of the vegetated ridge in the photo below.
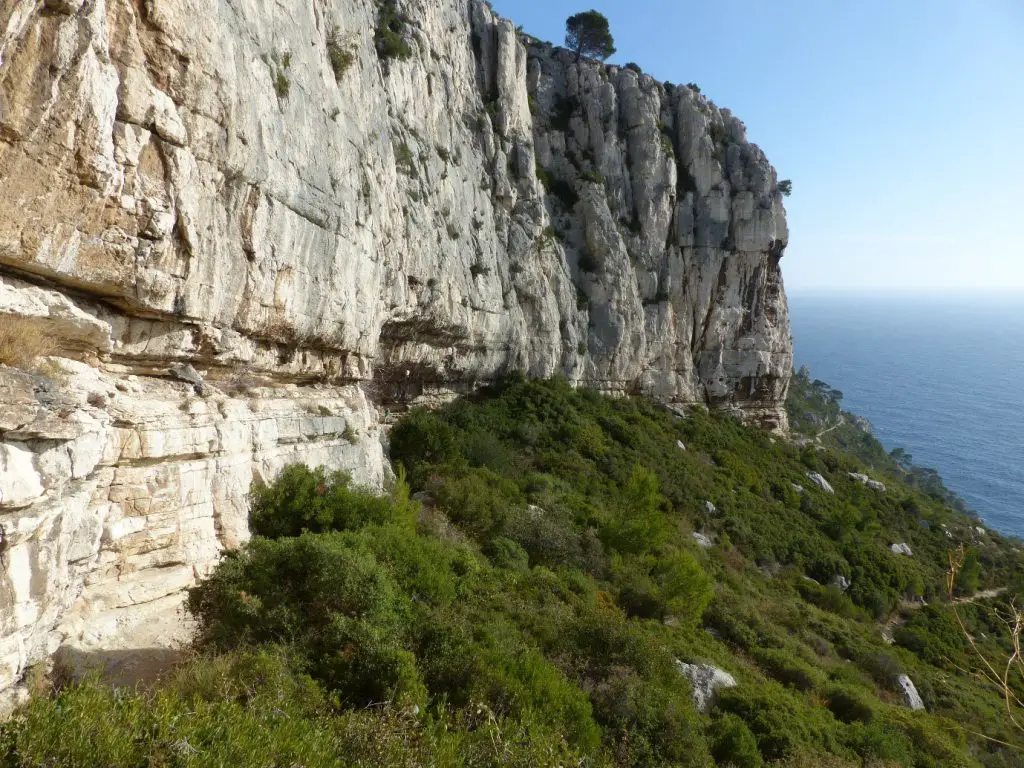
[533,591]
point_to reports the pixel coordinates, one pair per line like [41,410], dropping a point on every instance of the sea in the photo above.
[941,376]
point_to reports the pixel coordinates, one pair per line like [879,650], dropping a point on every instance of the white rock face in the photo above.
[901,549]
[863,479]
[910,694]
[706,681]
[702,540]
[820,481]
[399,232]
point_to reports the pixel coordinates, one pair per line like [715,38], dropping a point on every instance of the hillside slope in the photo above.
[544,599]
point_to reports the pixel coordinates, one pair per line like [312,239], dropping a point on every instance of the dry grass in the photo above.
[1001,673]
[23,342]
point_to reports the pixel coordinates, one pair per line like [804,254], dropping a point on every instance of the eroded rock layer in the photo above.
[239,232]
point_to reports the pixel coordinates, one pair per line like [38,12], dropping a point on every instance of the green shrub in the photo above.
[254,709]
[306,499]
[282,85]
[420,439]
[341,56]
[934,635]
[477,500]
[780,721]
[781,665]
[732,743]
[849,705]
[327,595]
[405,160]
[389,36]
[506,553]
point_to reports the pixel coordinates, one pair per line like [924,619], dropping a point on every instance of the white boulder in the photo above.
[910,694]
[702,540]
[706,680]
[820,481]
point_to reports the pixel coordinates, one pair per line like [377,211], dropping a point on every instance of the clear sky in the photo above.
[900,122]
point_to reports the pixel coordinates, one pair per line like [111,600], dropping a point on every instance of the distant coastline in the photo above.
[935,374]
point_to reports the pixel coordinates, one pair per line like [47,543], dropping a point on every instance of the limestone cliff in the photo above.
[246,230]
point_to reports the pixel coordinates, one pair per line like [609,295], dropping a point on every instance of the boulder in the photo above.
[706,680]
[820,481]
[910,695]
[702,540]
[901,549]
[710,508]
[20,483]
[841,581]
[867,481]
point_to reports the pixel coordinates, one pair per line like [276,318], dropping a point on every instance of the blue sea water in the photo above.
[940,376]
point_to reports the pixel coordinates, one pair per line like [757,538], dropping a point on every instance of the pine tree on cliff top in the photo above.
[588,34]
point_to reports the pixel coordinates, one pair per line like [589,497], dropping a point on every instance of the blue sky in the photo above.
[900,122]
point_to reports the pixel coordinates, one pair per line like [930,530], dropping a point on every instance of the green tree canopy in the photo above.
[588,34]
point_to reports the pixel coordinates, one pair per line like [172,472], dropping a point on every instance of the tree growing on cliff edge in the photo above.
[588,34]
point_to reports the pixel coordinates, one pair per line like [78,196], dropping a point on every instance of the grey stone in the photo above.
[867,481]
[901,549]
[910,695]
[706,680]
[820,481]
[841,581]
[188,374]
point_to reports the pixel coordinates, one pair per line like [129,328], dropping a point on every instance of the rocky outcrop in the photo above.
[705,680]
[249,234]
[819,480]
[909,691]
[864,480]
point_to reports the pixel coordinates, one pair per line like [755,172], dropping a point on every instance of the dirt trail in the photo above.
[985,594]
[839,423]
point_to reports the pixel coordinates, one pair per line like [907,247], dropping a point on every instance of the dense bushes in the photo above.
[314,500]
[389,35]
[533,609]
[253,709]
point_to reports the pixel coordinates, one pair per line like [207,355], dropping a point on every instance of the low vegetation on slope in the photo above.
[815,413]
[526,595]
